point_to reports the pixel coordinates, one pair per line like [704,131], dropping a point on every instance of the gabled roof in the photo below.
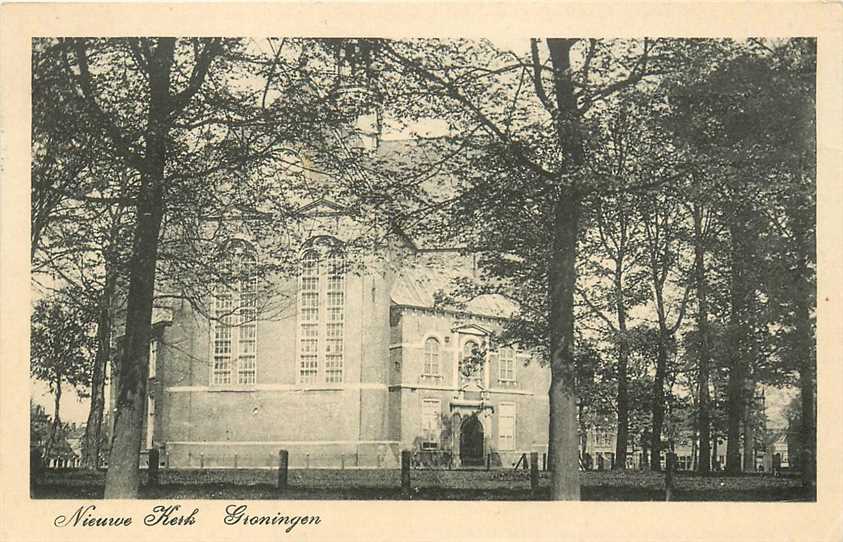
[322,207]
[420,286]
[472,329]
[427,164]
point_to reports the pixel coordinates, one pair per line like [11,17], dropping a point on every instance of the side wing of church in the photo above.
[356,364]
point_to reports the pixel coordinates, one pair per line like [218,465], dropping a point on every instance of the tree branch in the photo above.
[454,93]
[596,310]
[197,76]
[537,78]
[86,87]
[638,72]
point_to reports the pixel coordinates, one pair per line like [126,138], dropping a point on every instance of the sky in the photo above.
[72,409]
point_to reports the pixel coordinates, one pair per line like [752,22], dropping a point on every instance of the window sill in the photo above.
[322,387]
[232,387]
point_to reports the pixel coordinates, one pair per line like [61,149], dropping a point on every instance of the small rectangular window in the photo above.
[506,363]
[431,423]
[153,357]
[506,426]
[150,421]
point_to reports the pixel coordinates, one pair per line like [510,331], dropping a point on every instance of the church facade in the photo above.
[355,364]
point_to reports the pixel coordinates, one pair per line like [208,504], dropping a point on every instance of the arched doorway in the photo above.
[471,442]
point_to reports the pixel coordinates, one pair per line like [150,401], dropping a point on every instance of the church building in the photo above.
[354,363]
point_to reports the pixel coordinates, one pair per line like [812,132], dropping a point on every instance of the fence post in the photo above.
[544,461]
[668,477]
[202,460]
[307,461]
[235,461]
[405,471]
[488,461]
[534,471]
[152,471]
[342,461]
[283,463]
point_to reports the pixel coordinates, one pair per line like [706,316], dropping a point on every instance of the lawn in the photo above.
[250,484]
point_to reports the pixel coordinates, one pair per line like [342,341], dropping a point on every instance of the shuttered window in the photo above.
[431,423]
[506,426]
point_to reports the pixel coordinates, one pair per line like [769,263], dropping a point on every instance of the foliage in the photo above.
[61,342]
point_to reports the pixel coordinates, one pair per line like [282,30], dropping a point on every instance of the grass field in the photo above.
[338,484]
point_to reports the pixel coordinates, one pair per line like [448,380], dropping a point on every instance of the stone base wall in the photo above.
[332,455]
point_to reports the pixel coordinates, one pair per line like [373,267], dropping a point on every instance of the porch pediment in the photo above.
[471,385]
[472,329]
[322,208]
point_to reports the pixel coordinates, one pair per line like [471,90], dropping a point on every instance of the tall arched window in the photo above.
[321,313]
[309,317]
[335,288]
[431,356]
[247,330]
[234,319]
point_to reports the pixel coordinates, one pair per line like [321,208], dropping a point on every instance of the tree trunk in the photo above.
[695,451]
[583,433]
[714,459]
[808,430]
[56,420]
[562,438]
[704,354]
[734,415]
[658,403]
[805,346]
[564,460]
[93,429]
[738,330]
[749,435]
[623,380]
[123,477]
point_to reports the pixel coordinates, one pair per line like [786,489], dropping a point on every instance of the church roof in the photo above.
[420,286]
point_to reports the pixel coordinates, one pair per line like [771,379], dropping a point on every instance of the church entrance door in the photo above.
[471,442]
